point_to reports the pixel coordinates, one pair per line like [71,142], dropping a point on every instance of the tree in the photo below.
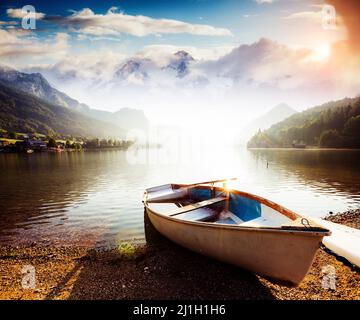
[51,143]
[335,124]
[352,132]
[77,146]
[352,126]
[331,139]
[93,143]
[12,135]
[68,144]
[103,143]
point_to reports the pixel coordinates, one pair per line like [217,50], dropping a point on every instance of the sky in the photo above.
[234,22]
[244,56]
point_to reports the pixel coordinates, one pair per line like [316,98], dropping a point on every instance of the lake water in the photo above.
[94,197]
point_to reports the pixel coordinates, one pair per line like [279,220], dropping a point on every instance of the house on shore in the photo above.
[28,144]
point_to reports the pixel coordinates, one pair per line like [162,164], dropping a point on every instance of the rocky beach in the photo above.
[162,270]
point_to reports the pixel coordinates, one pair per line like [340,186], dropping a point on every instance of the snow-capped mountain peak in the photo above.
[180,63]
[134,67]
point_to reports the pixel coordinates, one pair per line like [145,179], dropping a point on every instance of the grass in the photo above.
[128,250]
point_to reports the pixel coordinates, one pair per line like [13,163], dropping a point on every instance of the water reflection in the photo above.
[322,180]
[95,197]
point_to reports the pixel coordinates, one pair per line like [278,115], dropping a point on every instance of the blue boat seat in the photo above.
[202,214]
[166,195]
[197,205]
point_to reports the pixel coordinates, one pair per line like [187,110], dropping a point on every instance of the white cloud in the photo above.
[8,23]
[19,14]
[258,74]
[94,67]
[15,43]
[307,15]
[115,23]
[264,1]
[162,53]
[264,63]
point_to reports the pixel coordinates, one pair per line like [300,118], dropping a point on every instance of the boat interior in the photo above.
[206,203]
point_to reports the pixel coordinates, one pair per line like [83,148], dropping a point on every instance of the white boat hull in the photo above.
[238,228]
[282,255]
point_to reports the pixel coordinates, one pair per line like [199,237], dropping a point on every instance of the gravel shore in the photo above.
[160,270]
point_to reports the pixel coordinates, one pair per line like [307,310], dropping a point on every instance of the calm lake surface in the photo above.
[94,198]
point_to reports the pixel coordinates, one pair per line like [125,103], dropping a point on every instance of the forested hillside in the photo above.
[332,125]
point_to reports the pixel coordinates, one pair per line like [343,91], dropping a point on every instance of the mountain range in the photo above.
[133,70]
[24,112]
[142,69]
[274,115]
[34,84]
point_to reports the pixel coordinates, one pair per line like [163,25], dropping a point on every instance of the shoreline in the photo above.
[67,150]
[307,148]
[161,270]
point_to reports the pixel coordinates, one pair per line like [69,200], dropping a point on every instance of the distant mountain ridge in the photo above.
[24,112]
[36,84]
[274,115]
[133,67]
[334,124]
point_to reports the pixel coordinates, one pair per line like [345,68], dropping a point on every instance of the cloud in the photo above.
[264,62]
[8,23]
[265,1]
[15,43]
[261,73]
[315,16]
[19,14]
[162,53]
[116,23]
[93,67]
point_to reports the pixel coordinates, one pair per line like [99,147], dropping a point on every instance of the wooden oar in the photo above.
[207,182]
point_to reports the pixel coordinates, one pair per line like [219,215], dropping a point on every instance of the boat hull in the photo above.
[282,255]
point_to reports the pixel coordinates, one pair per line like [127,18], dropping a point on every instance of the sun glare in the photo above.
[322,52]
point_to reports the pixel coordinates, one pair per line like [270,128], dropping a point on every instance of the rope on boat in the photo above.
[305,222]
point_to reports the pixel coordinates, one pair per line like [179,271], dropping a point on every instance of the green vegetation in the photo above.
[12,135]
[332,125]
[127,250]
[103,143]
[56,141]
[51,143]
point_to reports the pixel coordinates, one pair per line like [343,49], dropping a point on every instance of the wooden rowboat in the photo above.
[236,227]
